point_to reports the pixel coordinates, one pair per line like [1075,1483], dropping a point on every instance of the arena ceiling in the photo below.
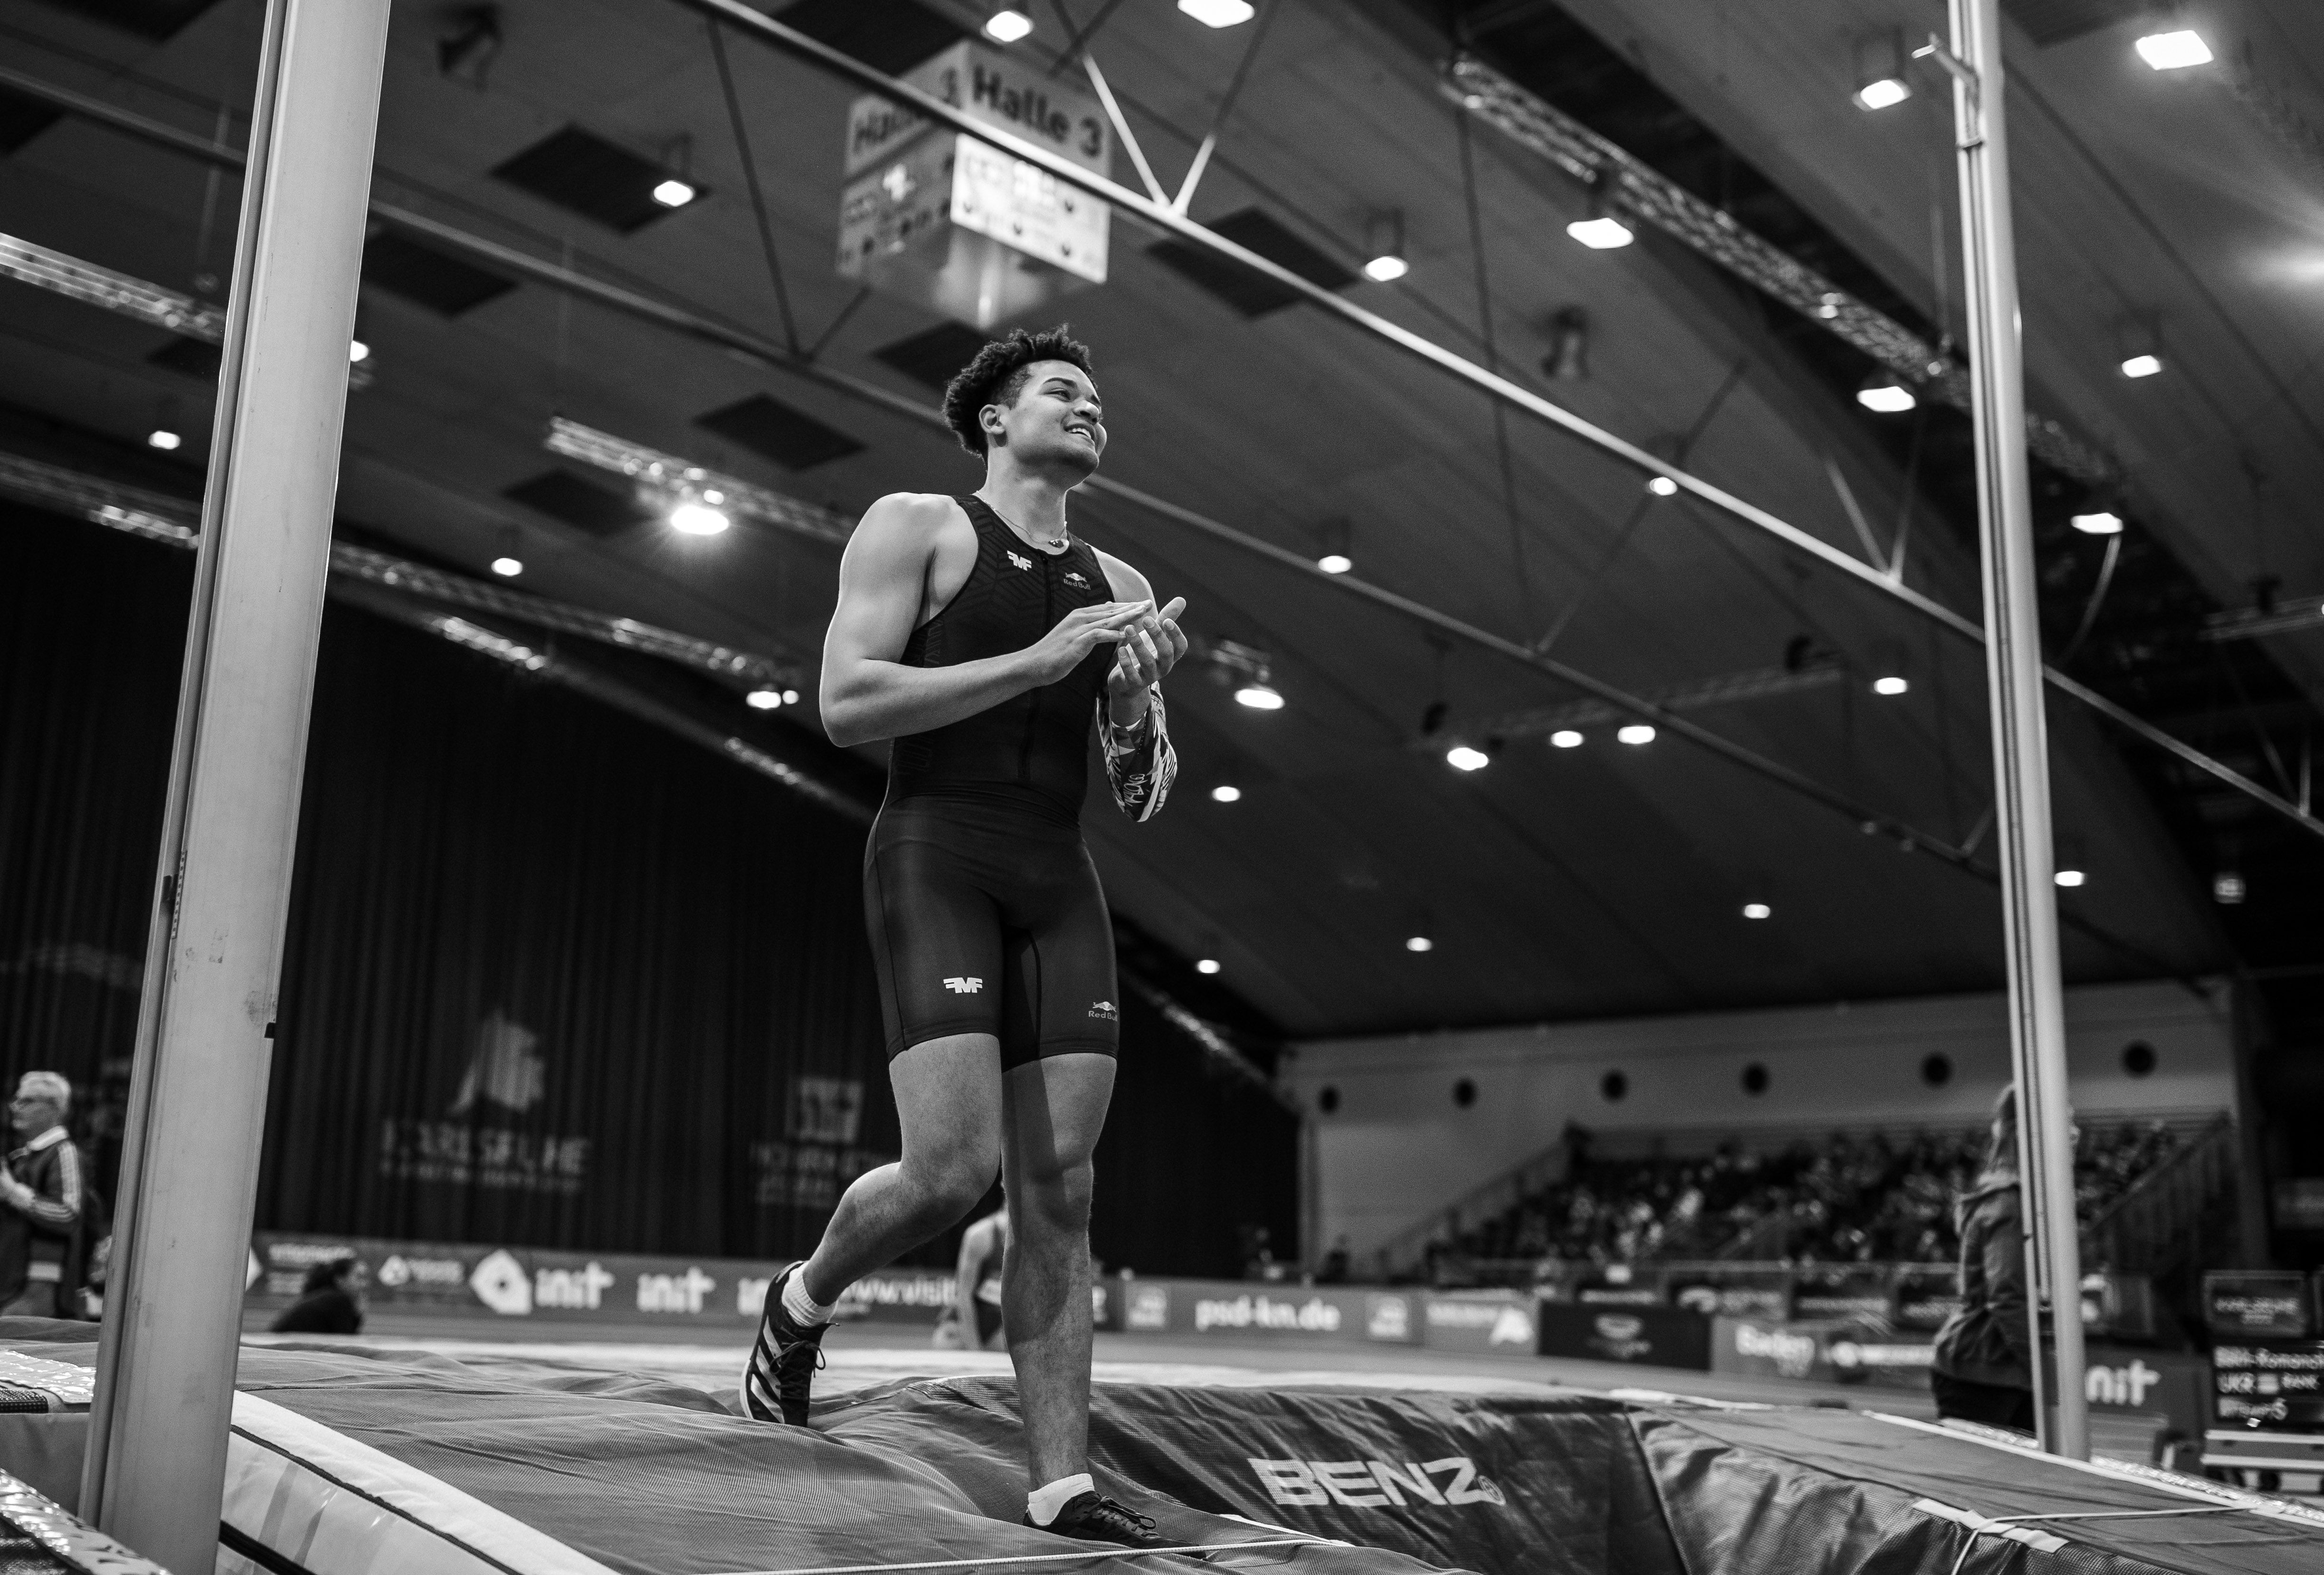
[1555,883]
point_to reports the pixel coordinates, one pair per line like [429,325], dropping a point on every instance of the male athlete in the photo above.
[986,640]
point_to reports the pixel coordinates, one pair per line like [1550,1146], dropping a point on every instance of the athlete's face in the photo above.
[1058,420]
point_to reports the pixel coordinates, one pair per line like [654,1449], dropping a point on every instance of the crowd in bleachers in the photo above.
[1846,1198]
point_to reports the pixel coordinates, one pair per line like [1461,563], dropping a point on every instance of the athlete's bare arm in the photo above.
[1146,654]
[868,694]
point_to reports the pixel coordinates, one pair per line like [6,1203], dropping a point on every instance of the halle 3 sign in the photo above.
[938,218]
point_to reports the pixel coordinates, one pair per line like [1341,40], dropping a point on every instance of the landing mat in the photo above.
[583,1471]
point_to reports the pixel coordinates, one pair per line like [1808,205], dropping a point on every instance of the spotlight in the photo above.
[1335,540]
[673,193]
[1883,391]
[1419,944]
[1601,232]
[1258,698]
[1890,685]
[1565,738]
[697,518]
[1757,910]
[1828,309]
[1637,733]
[764,699]
[1218,12]
[1880,65]
[1662,486]
[2102,522]
[1883,93]
[2227,888]
[1226,793]
[162,439]
[1462,758]
[1007,26]
[790,696]
[2143,365]
[1207,965]
[2070,877]
[1384,241]
[1568,360]
[2173,52]
[507,567]
[357,352]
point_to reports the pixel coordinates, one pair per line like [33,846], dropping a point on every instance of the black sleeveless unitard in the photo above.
[984,910]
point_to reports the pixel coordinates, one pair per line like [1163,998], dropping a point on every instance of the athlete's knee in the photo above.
[1056,1196]
[952,1181]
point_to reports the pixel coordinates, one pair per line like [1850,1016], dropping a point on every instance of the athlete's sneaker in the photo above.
[783,1361]
[1095,1518]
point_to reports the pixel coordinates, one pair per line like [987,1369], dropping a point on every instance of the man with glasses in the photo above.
[39,1199]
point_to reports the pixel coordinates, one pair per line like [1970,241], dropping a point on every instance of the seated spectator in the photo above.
[40,1200]
[332,1301]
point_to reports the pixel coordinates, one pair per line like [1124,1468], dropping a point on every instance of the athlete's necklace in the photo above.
[1056,543]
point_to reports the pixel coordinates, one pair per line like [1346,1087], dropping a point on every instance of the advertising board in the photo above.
[483,1280]
[1663,1337]
[1482,1323]
[2274,1385]
[2257,1304]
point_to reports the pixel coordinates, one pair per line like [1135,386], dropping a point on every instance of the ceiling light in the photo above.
[1258,698]
[1207,965]
[1218,12]
[1419,944]
[1757,910]
[2102,522]
[2172,51]
[2142,366]
[1462,758]
[2227,887]
[764,699]
[790,696]
[1335,563]
[1890,685]
[1883,392]
[1602,233]
[1662,486]
[1828,309]
[1226,793]
[1565,738]
[162,439]
[1883,93]
[694,518]
[1386,269]
[1007,26]
[357,351]
[2070,877]
[1637,733]
[673,193]
[507,567]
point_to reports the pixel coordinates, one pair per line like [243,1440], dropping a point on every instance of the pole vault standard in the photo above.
[2013,662]
[156,1464]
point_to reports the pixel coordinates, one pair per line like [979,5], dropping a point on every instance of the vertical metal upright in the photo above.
[2037,1017]
[156,1462]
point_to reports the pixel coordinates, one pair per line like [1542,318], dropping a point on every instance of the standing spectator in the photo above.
[332,1301]
[1984,1364]
[39,1199]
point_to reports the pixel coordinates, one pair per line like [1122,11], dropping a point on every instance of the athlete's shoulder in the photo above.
[1127,584]
[911,513]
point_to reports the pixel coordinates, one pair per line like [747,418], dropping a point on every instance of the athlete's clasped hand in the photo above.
[1146,654]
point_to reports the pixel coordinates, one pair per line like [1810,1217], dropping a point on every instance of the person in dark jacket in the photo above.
[332,1301]
[39,1199]
[1983,1369]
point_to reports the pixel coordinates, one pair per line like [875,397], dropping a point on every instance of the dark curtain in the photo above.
[552,977]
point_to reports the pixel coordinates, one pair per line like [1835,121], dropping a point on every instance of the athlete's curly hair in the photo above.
[996,376]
